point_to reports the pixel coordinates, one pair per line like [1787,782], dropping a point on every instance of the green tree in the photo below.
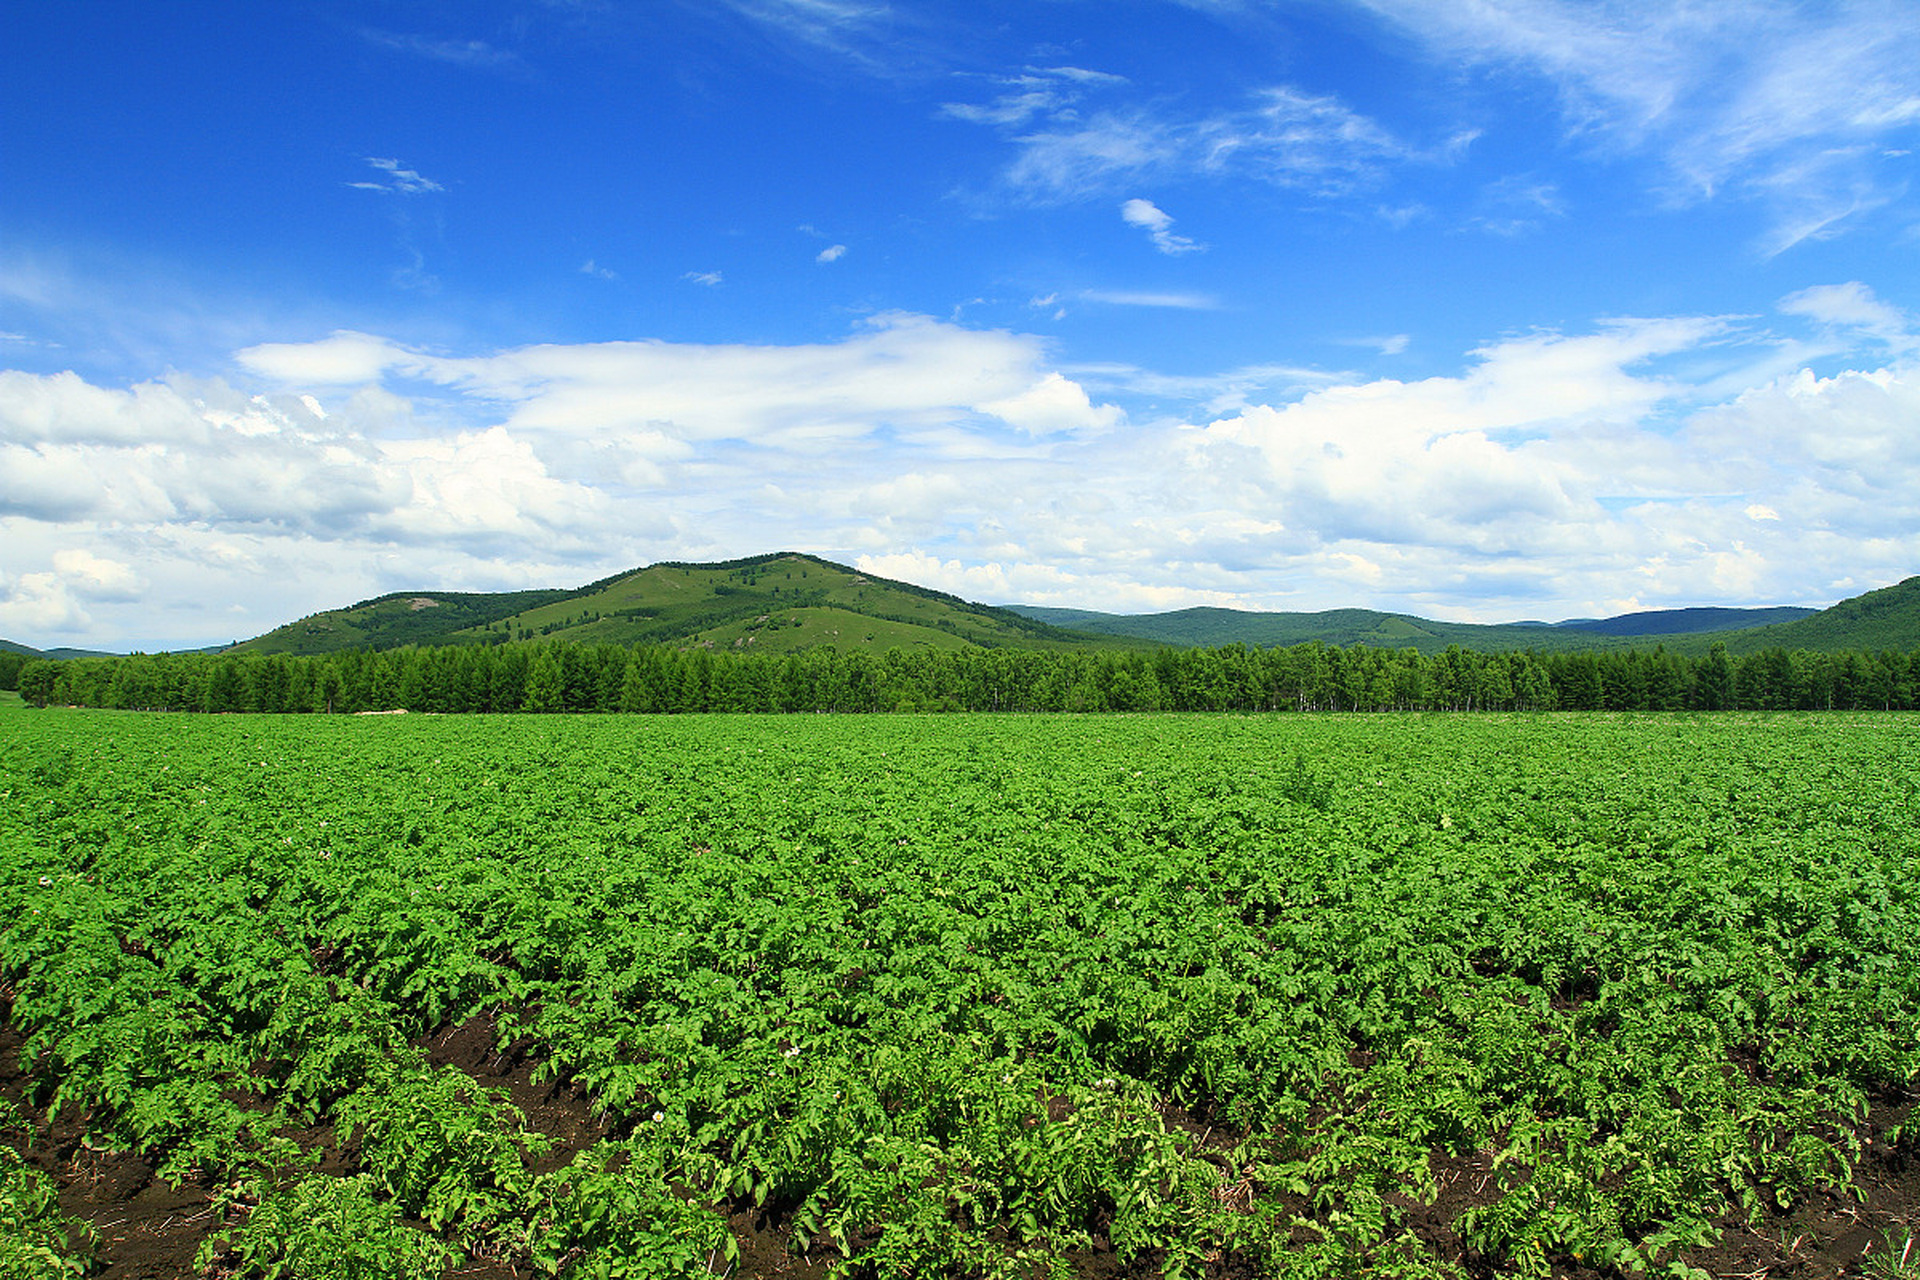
[546,682]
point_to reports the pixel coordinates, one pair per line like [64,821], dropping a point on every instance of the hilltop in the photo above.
[789,601]
[1886,619]
[771,603]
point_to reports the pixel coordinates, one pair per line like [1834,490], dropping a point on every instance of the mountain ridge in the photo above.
[757,603]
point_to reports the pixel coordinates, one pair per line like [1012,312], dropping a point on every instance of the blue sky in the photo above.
[1518,309]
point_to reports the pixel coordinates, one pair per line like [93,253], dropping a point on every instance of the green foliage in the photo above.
[37,1241]
[441,1150]
[326,1228]
[965,995]
[612,1214]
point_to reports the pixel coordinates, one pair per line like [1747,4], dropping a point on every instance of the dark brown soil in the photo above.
[149,1230]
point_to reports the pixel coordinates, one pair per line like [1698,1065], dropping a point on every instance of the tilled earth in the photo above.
[149,1230]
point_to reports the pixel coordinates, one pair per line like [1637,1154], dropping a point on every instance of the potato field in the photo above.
[972,996]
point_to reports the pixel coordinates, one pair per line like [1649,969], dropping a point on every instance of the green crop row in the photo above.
[971,997]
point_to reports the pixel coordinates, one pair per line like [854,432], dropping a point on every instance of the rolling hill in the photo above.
[1886,619]
[1675,622]
[772,603]
[789,601]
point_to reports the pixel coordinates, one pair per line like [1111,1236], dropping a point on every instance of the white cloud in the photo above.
[1283,135]
[1152,298]
[1517,205]
[477,54]
[877,38]
[1052,404]
[1782,102]
[1853,306]
[592,268]
[1158,225]
[832,253]
[400,180]
[901,372]
[95,577]
[55,602]
[1387,344]
[711,279]
[37,604]
[1664,459]
[343,359]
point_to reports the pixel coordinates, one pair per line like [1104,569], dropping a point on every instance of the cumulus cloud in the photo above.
[1569,459]
[54,602]
[95,577]
[1053,404]
[344,358]
[899,372]
[832,253]
[1158,225]
[1660,460]
[36,604]
[204,452]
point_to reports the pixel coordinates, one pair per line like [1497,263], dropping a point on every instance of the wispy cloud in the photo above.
[1068,147]
[1786,103]
[872,36]
[1159,227]
[1854,306]
[1517,205]
[1036,92]
[711,279]
[832,253]
[476,54]
[400,180]
[594,269]
[1149,298]
[1388,344]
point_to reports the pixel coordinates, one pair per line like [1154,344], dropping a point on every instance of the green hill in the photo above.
[1207,626]
[788,601]
[1886,619]
[396,620]
[1879,620]
[774,603]
[1674,622]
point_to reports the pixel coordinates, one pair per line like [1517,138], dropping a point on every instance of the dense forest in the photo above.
[562,677]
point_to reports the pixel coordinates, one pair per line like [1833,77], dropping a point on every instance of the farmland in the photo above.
[1004,996]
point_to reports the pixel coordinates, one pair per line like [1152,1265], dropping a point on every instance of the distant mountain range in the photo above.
[8,646]
[1674,622]
[1214,626]
[788,601]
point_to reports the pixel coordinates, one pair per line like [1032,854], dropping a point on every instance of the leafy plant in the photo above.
[327,1228]
[37,1241]
[612,1215]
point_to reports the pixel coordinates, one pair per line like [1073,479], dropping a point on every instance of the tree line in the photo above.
[566,677]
